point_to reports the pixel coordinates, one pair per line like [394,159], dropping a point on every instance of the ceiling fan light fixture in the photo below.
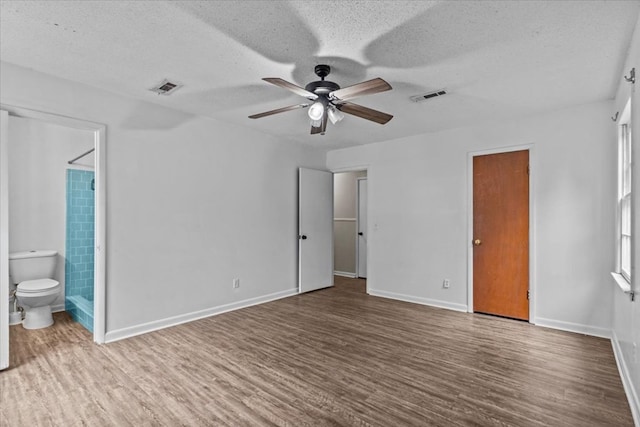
[316,111]
[335,115]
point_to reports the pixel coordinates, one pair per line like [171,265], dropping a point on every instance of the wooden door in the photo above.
[315,228]
[501,234]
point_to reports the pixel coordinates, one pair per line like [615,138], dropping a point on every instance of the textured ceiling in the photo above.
[497,59]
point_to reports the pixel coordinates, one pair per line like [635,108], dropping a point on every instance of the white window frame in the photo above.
[625,213]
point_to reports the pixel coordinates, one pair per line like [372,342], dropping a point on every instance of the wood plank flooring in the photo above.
[335,357]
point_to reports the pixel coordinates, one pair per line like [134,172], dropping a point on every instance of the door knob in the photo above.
[477,242]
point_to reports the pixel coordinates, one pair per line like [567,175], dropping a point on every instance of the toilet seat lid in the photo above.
[37,285]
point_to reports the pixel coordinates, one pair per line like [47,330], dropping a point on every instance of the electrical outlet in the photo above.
[446,283]
[236,283]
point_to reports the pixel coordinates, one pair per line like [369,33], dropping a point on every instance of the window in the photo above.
[624,194]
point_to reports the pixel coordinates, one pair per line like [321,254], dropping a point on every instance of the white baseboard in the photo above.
[419,300]
[573,327]
[632,396]
[144,328]
[344,274]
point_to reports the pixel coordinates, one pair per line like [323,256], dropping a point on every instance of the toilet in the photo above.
[32,272]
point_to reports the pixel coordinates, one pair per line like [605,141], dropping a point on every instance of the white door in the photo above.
[362,228]
[4,242]
[315,230]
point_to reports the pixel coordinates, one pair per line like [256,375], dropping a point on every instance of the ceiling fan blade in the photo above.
[323,125]
[279,110]
[290,86]
[365,88]
[364,112]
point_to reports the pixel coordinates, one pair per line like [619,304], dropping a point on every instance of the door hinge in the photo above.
[528,294]
[528,170]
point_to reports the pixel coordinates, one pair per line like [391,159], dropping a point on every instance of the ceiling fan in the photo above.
[329,101]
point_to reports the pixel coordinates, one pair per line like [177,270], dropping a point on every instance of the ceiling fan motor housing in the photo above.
[322,87]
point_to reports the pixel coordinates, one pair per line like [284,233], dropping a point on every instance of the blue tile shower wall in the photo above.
[79,246]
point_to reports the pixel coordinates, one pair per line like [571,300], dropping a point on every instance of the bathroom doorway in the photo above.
[349,224]
[56,186]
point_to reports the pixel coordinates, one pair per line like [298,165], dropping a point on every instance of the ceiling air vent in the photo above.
[166,87]
[425,96]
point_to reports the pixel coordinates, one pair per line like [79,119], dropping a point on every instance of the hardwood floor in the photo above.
[330,357]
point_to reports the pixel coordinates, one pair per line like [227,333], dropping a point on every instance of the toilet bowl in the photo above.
[32,272]
[36,296]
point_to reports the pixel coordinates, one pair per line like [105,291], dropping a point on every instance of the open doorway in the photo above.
[41,155]
[349,224]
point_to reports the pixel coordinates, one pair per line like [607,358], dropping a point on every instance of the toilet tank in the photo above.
[31,265]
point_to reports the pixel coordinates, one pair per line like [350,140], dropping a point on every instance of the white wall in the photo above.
[191,204]
[38,156]
[626,314]
[573,171]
